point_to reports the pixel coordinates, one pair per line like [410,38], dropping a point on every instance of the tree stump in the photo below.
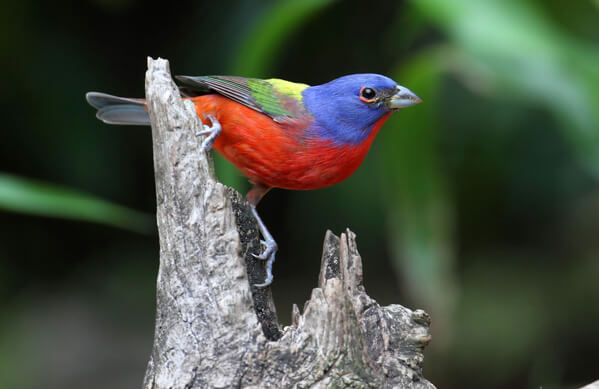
[214,329]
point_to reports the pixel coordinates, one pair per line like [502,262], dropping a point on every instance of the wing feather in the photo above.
[264,96]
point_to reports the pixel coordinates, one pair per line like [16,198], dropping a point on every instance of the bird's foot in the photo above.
[267,255]
[213,131]
[270,249]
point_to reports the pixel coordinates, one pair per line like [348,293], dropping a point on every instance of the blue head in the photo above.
[347,108]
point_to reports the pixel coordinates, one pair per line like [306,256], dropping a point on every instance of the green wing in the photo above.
[276,98]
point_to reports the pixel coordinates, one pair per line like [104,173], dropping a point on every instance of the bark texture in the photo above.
[215,330]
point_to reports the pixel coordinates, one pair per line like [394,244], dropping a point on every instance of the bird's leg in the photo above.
[213,131]
[270,246]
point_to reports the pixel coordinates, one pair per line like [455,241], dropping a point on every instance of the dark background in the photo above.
[480,205]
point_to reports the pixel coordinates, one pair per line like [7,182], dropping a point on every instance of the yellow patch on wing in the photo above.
[288,88]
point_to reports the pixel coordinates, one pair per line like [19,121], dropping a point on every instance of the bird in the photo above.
[280,134]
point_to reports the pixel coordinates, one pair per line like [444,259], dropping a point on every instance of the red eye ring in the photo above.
[368,94]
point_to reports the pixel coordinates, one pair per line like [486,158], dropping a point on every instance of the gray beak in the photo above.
[403,97]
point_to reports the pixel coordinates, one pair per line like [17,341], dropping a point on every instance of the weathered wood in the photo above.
[592,385]
[214,330]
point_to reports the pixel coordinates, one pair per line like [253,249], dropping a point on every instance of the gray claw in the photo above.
[266,282]
[270,250]
[213,131]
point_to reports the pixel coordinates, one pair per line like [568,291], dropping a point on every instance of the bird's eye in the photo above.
[367,95]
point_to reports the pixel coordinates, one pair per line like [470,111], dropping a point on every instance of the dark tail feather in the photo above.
[119,110]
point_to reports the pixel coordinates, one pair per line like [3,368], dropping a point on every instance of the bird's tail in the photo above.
[119,110]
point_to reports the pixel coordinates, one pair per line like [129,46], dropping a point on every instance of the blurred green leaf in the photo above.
[259,51]
[39,198]
[420,212]
[512,50]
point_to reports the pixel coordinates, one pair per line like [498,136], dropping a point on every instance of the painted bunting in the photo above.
[280,134]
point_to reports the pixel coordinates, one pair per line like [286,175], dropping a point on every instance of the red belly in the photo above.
[277,154]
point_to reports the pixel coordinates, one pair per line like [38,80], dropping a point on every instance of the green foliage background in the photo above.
[480,205]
